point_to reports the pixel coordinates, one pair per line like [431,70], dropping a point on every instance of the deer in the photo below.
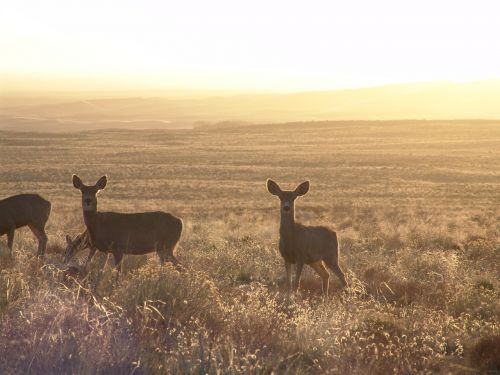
[127,233]
[316,246]
[74,246]
[25,210]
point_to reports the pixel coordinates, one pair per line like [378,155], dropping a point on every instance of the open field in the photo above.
[416,204]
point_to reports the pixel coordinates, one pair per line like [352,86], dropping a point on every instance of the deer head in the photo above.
[287,197]
[74,246]
[89,193]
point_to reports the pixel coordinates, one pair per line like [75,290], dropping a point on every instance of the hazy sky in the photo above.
[253,44]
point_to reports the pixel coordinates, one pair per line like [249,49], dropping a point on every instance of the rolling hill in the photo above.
[439,100]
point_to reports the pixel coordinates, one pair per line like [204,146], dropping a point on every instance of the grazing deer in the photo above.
[127,233]
[21,210]
[81,242]
[301,244]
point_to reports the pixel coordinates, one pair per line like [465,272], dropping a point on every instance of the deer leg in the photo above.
[175,262]
[170,258]
[162,258]
[118,255]
[168,254]
[288,269]
[10,239]
[334,266]
[42,244]
[321,270]
[160,250]
[298,273]
[42,239]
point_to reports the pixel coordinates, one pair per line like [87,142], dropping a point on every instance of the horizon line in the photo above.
[12,92]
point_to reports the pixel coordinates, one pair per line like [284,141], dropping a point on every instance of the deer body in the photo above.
[25,210]
[132,233]
[305,244]
[316,246]
[127,233]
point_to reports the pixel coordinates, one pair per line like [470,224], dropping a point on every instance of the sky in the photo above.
[245,45]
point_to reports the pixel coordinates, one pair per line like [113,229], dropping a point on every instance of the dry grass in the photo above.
[416,204]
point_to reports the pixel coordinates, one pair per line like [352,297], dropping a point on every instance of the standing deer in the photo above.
[127,233]
[21,210]
[301,244]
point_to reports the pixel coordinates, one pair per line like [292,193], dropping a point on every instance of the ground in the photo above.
[416,205]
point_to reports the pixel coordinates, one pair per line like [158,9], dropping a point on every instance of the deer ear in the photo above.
[101,184]
[77,182]
[273,187]
[302,189]
[68,239]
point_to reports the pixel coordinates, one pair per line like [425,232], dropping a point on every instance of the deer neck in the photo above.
[287,224]
[90,218]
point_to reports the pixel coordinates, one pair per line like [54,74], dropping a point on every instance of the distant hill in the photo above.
[440,100]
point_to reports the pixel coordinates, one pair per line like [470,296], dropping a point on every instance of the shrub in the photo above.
[485,354]
[162,295]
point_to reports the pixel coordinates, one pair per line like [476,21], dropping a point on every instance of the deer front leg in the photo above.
[298,273]
[288,269]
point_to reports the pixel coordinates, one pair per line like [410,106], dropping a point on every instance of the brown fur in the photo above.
[21,210]
[81,242]
[300,244]
[128,233]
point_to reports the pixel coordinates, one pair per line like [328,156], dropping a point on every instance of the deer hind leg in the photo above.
[43,239]
[39,232]
[175,262]
[321,270]
[118,255]
[334,266]
[167,254]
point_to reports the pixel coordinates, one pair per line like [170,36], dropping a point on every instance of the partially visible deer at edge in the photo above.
[25,210]
[300,244]
[127,233]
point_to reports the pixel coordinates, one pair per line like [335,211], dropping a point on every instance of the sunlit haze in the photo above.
[252,45]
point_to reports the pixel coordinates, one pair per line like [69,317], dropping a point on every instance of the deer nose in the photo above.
[87,201]
[286,207]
